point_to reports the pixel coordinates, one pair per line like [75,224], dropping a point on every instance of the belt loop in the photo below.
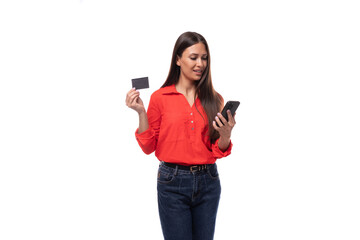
[176,169]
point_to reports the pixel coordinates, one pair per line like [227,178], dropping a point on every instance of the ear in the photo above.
[178,61]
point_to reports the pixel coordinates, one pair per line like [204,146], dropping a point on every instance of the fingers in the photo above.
[132,91]
[219,123]
[223,120]
[130,100]
[215,126]
[131,97]
[231,118]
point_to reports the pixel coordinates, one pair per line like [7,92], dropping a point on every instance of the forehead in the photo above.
[198,48]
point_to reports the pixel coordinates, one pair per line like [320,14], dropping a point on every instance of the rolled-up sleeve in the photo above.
[147,140]
[217,153]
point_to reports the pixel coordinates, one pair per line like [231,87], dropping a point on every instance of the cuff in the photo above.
[145,135]
[146,140]
[218,153]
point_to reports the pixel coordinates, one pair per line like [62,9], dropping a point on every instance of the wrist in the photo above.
[223,143]
[224,139]
[225,136]
[142,112]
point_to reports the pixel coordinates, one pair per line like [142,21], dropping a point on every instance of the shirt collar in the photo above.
[169,90]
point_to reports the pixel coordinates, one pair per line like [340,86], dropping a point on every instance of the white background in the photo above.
[71,167]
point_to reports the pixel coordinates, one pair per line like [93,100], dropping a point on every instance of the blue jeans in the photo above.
[188,202]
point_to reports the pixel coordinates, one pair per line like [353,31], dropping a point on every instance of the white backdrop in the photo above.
[71,167]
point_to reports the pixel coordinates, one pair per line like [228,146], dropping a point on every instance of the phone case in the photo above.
[230,105]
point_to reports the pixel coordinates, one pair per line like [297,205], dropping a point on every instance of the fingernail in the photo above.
[218,114]
[216,118]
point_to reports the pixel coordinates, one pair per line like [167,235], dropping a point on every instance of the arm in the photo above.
[143,122]
[149,122]
[223,143]
[134,101]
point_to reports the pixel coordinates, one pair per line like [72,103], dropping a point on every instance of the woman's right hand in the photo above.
[134,101]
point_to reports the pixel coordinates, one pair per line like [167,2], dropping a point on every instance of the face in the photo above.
[193,62]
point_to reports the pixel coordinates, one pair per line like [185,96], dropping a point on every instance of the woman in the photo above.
[180,126]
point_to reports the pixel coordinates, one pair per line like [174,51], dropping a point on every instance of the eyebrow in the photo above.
[198,54]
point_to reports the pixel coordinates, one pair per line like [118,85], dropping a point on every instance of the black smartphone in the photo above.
[230,105]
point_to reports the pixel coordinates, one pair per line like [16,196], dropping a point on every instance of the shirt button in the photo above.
[192,121]
[192,128]
[190,113]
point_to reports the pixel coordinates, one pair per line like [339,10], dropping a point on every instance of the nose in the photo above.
[200,62]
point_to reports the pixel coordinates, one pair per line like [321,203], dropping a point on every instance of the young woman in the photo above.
[180,126]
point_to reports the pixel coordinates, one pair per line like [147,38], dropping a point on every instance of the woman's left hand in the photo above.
[225,127]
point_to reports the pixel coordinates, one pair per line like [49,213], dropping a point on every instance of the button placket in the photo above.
[192,127]
[192,121]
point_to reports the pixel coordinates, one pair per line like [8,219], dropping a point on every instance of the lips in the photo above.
[198,72]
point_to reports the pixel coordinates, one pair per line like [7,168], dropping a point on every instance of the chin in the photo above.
[197,78]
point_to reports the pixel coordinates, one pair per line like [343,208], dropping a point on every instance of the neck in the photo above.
[186,87]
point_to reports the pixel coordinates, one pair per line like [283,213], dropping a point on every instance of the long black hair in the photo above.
[210,99]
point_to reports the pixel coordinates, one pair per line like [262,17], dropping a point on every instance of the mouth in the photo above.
[198,72]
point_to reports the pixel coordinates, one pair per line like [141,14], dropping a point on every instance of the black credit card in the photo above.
[140,83]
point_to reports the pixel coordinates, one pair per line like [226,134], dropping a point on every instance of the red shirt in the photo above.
[177,132]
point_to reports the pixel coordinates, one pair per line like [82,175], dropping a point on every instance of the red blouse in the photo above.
[177,132]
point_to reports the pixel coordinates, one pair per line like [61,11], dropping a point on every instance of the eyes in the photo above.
[202,58]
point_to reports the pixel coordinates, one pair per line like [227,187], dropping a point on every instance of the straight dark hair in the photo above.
[210,99]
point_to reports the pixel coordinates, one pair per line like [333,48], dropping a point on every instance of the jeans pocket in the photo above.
[212,172]
[165,177]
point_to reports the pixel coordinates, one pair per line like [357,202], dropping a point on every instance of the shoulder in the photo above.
[159,96]
[156,94]
[163,91]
